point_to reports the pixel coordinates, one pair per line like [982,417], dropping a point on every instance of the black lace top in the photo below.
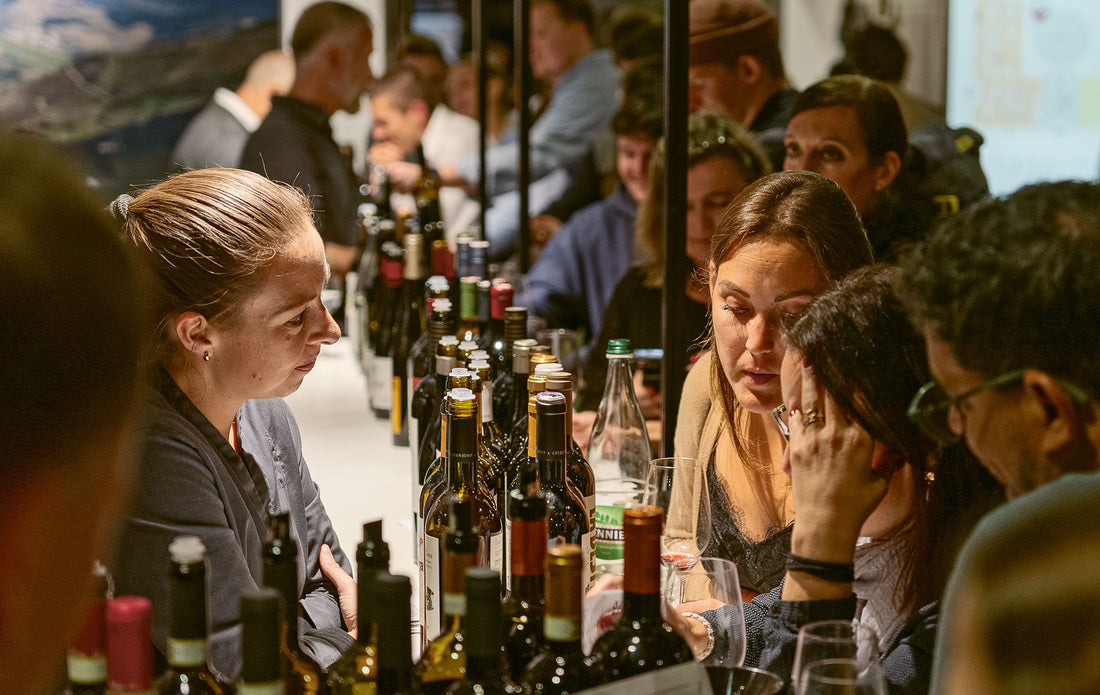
[760,566]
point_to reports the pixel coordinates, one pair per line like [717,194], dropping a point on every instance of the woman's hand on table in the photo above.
[346,589]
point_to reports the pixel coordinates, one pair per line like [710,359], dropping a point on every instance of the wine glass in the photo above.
[686,531]
[837,639]
[841,677]
[713,585]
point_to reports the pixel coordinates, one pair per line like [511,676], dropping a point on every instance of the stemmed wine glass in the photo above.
[841,653]
[686,532]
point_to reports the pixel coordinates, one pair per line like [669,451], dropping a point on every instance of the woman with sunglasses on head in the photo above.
[882,507]
[238,268]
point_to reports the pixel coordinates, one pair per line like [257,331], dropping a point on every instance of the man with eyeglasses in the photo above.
[1008,297]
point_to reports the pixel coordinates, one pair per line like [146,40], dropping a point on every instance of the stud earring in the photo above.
[206,357]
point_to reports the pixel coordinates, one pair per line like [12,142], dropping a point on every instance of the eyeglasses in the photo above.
[930,409]
[779,412]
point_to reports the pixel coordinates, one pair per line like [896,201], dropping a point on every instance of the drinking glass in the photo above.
[686,531]
[713,584]
[841,677]
[743,680]
[836,639]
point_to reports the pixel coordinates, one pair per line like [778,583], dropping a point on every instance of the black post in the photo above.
[524,80]
[479,40]
[674,298]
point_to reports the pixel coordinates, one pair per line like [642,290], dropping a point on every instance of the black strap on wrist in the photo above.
[829,571]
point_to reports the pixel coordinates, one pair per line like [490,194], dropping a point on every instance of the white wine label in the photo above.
[87,669]
[186,652]
[454,604]
[496,552]
[381,383]
[508,559]
[682,679]
[487,403]
[272,688]
[588,561]
[562,628]
[432,612]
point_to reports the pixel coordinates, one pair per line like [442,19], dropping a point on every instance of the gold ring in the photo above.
[811,416]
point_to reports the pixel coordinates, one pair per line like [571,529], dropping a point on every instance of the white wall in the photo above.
[810,40]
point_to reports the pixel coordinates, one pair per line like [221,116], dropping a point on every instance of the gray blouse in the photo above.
[192,482]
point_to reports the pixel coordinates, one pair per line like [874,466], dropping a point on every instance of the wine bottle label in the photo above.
[84,668]
[588,564]
[381,382]
[397,417]
[508,560]
[186,652]
[272,688]
[562,628]
[590,510]
[496,552]
[607,541]
[454,604]
[432,614]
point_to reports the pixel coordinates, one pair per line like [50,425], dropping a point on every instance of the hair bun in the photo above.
[120,206]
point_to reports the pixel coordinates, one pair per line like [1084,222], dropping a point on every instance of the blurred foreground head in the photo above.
[70,373]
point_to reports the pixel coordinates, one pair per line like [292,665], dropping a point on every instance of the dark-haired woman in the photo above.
[238,269]
[876,498]
[850,129]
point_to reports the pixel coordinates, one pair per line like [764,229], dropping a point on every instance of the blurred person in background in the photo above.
[1006,297]
[332,43]
[722,158]
[735,68]
[75,326]
[216,136]
[849,129]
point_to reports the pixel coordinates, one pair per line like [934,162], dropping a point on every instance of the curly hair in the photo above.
[1013,283]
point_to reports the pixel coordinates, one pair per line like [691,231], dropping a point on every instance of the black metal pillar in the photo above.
[523,175]
[675,338]
[480,41]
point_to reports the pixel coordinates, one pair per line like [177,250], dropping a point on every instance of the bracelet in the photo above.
[829,571]
[710,634]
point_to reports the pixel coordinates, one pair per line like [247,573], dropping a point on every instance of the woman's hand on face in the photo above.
[346,589]
[832,483]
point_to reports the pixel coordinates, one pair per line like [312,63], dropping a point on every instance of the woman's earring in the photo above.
[206,357]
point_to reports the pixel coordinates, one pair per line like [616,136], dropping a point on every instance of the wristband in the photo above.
[710,634]
[829,571]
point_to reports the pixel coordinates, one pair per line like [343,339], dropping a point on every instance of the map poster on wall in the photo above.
[115,81]
[1026,74]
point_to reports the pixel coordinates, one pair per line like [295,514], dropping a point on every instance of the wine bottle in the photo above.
[619,446]
[129,646]
[484,314]
[280,572]
[426,192]
[187,673]
[523,443]
[497,339]
[510,386]
[261,668]
[467,308]
[395,667]
[383,190]
[388,290]
[490,457]
[641,641]
[463,480]
[504,385]
[435,477]
[486,671]
[86,665]
[443,660]
[566,518]
[523,606]
[560,668]
[423,394]
[374,290]
[446,359]
[356,670]
[577,470]
[407,327]
[366,268]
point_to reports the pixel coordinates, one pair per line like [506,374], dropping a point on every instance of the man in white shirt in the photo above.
[405,116]
[217,134]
